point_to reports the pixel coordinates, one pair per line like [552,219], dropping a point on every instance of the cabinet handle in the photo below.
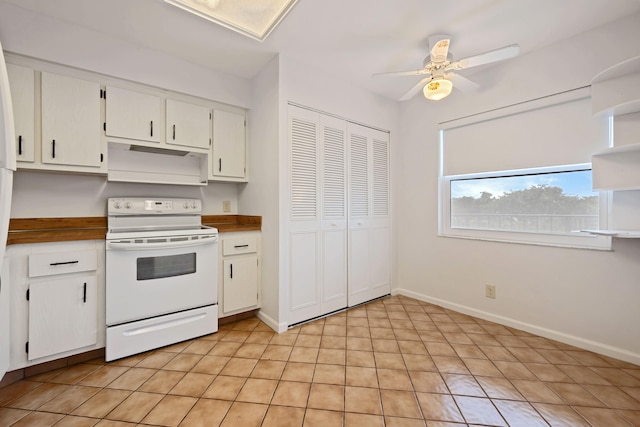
[63,263]
[241,246]
[230,271]
[84,293]
[20,145]
[53,149]
[220,164]
[174,132]
[151,124]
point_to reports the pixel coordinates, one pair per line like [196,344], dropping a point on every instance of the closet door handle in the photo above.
[53,149]
[20,145]
[151,125]
[84,293]
[174,132]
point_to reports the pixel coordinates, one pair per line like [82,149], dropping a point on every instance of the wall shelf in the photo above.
[616,90]
[617,168]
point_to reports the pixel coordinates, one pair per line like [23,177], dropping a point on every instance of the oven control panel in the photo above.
[148,206]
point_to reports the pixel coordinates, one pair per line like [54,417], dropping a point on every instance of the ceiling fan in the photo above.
[439,69]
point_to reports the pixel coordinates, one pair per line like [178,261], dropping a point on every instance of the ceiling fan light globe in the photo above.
[437,89]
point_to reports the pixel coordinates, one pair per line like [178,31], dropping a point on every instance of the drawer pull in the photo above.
[241,246]
[63,263]
[84,293]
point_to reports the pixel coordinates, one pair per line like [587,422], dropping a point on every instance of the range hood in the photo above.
[131,162]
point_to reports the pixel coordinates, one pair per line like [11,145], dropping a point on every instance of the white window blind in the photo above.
[551,131]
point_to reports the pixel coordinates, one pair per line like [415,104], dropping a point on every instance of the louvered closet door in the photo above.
[333,134]
[304,215]
[369,226]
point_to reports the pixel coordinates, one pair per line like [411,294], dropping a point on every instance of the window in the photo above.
[523,174]
[551,202]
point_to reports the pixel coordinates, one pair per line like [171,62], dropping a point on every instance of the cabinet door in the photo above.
[133,115]
[228,159]
[188,124]
[70,121]
[22,85]
[240,283]
[63,315]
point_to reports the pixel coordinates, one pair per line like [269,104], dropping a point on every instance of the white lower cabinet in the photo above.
[57,300]
[63,315]
[239,288]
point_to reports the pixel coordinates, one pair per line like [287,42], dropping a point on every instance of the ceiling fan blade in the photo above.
[462,83]
[414,90]
[496,55]
[402,73]
[439,47]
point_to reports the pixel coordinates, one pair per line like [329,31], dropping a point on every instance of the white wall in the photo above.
[59,195]
[260,196]
[587,298]
[43,195]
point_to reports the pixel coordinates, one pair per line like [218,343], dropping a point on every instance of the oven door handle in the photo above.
[124,246]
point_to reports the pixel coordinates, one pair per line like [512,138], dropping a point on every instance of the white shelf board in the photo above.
[620,234]
[630,66]
[616,90]
[628,148]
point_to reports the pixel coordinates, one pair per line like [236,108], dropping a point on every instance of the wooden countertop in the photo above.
[41,230]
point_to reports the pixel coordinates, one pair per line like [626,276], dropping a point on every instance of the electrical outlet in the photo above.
[226,206]
[490,291]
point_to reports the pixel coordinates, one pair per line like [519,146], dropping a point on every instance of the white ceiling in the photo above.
[349,38]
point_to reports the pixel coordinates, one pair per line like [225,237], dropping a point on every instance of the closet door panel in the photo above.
[334,213]
[334,269]
[304,291]
[359,265]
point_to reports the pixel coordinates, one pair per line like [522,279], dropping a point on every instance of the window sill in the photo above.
[577,241]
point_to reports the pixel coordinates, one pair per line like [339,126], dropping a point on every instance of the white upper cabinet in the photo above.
[22,85]
[133,115]
[70,121]
[229,146]
[188,124]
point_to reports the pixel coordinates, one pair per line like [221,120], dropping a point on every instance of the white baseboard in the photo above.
[604,349]
[270,322]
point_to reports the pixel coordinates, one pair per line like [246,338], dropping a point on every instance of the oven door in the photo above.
[145,280]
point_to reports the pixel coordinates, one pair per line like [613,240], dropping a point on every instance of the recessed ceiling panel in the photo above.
[255,19]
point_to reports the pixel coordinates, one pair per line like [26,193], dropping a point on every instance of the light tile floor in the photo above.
[393,362]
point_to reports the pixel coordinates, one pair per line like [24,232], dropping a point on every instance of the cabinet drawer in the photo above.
[239,245]
[62,263]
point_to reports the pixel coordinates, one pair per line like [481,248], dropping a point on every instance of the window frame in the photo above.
[575,240]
